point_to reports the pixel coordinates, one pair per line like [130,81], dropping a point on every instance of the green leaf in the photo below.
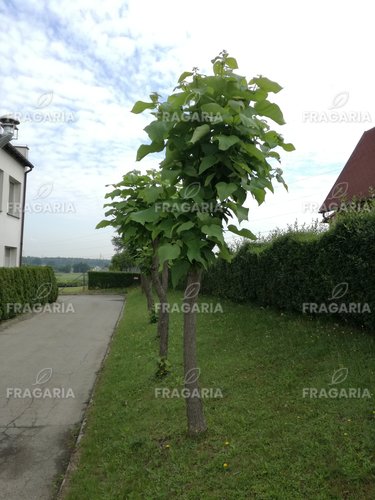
[218,68]
[252,150]
[273,154]
[113,194]
[214,108]
[258,95]
[168,251]
[199,132]
[165,227]
[226,141]
[240,166]
[272,138]
[266,84]
[241,212]
[143,216]
[213,231]
[207,162]
[177,99]
[103,223]
[185,226]
[247,122]
[240,195]
[178,271]
[271,110]
[194,251]
[209,179]
[145,149]
[224,190]
[154,96]
[150,194]
[279,178]
[170,175]
[184,75]
[157,130]
[258,193]
[140,106]
[242,232]
[237,106]
[231,62]
[287,146]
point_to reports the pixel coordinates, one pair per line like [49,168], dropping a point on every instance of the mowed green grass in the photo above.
[276,444]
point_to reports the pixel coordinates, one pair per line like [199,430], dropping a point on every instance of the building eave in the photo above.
[16,155]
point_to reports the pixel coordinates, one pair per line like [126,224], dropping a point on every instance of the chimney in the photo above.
[8,129]
[9,126]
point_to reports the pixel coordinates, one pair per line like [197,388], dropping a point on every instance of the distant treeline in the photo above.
[66,264]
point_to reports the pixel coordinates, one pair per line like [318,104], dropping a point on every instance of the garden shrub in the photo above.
[25,286]
[332,270]
[111,279]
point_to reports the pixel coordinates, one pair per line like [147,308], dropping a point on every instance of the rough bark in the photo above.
[163,314]
[194,404]
[147,290]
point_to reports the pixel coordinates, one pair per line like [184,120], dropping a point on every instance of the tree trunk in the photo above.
[165,276]
[163,313]
[194,405]
[147,290]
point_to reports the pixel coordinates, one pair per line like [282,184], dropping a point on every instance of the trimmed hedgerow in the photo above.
[111,279]
[332,273]
[25,286]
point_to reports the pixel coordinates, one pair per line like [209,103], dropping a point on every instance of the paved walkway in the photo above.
[48,365]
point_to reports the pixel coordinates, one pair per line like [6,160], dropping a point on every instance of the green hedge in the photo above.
[25,286]
[111,279]
[331,274]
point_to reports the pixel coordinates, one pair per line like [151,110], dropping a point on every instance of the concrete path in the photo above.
[48,366]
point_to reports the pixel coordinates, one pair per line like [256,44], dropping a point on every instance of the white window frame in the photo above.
[14,200]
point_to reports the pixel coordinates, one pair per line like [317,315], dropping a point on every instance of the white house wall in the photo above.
[10,226]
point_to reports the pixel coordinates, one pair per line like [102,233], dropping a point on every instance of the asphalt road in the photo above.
[48,366]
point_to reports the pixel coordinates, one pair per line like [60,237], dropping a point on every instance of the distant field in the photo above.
[70,279]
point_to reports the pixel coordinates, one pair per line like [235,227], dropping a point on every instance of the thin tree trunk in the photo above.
[165,276]
[163,313]
[147,290]
[194,405]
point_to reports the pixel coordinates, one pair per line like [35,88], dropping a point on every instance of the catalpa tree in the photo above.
[133,200]
[219,147]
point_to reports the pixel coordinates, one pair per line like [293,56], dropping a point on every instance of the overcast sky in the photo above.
[71,71]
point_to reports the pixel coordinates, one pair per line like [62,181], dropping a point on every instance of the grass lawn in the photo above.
[276,443]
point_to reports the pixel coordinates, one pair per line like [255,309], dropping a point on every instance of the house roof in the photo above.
[357,176]
[16,155]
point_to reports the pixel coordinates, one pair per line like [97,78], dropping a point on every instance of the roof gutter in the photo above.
[23,212]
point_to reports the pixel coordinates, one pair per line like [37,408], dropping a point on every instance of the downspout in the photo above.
[23,214]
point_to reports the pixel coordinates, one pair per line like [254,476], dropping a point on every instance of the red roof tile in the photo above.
[356,177]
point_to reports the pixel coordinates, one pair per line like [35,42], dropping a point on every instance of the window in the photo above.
[10,257]
[14,203]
